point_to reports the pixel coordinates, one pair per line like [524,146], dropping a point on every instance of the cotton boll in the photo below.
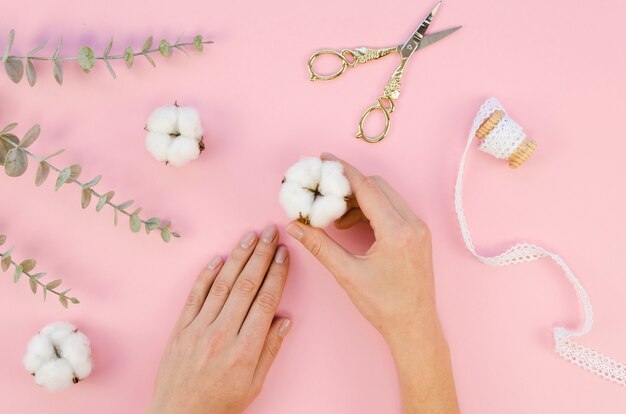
[332,180]
[158,145]
[39,351]
[57,327]
[55,375]
[163,120]
[295,200]
[76,350]
[183,150]
[189,123]
[305,173]
[327,209]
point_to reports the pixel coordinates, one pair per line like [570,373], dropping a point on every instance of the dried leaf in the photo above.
[110,68]
[174,234]
[166,234]
[93,182]
[54,284]
[10,40]
[38,48]
[42,173]
[129,57]
[58,49]
[134,223]
[6,146]
[63,300]
[125,204]
[115,217]
[147,45]
[164,48]
[85,197]
[3,239]
[57,69]
[33,285]
[108,49]
[86,58]
[64,175]
[150,60]
[5,263]
[15,163]
[14,69]
[75,171]
[31,73]
[8,128]
[28,265]
[197,43]
[17,273]
[45,293]
[47,157]
[31,136]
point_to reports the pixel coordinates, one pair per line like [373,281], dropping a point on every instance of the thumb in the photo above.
[333,256]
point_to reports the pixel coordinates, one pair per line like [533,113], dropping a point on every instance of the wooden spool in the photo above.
[521,154]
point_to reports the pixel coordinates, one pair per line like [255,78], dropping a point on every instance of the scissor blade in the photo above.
[435,37]
[411,45]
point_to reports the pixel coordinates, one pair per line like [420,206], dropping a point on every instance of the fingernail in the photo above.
[215,262]
[281,255]
[268,234]
[284,328]
[329,156]
[248,239]
[295,231]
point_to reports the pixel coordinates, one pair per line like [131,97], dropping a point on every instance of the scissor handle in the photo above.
[349,58]
[384,104]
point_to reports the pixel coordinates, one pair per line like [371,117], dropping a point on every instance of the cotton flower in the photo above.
[315,191]
[174,134]
[58,356]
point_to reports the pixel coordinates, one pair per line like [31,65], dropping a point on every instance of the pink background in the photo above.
[557,66]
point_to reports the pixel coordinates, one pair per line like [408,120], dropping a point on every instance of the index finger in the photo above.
[371,199]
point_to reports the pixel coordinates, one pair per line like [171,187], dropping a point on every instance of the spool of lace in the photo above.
[503,138]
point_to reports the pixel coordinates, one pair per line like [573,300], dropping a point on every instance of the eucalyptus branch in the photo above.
[14,158]
[14,65]
[25,268]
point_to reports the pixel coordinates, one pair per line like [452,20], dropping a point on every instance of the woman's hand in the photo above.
[226,339]
[392,285]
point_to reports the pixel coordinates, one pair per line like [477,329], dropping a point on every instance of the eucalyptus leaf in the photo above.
[115,217]
[108,49]
[101,203]
[45,293]
[9,44]
[152,224]
[85,197]
[31,136]
[129,57]
[8,128]
[93,182]
[58,49]
[74,301]
[37,276]
[86,58]
[197,43]
[134,223]
[17,273]
[150,60]
[15,163]
[147,45]
[166,234]
[31,73]
[6,146]
[125,204]
[33,285]
[181,49]
[137,211]
[14,69]
[54,284]
[110,68]
[64,175]
[75,170]
[43,169]
[174,234]
[63,300]
[164,48]
[47,157]
[3,239]
[38,48]
[28,265]
[57,69]
[5,263]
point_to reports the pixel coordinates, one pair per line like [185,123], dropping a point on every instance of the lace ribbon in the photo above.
[501,142]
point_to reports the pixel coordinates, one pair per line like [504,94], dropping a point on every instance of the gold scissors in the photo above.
[351,57]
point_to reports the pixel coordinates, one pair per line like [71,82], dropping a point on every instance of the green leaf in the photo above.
[152,224]
[31,73]
[86,58]
[9,44]
[74,301]
[57,69]
[150,60]
[147,45]
[14,69]
[174,234]
[104,199]
[164,48]
[75,171]
[64,175]
[108,49]
[166,234]
[42,173]
[129,57]
[63,300]
[54,284]
[38,48]
[110,68]
[197,43]
[31,136]
[93,182]
[134,223]
[3,239]
[85,197]
[17,273]
[137,211]
[33,285]
[5,263]
[28,265]
[37,276]
[125,204]
[15,162]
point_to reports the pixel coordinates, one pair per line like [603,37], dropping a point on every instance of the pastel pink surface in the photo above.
[558,67]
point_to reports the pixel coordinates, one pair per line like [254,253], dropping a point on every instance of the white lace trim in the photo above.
[501,142]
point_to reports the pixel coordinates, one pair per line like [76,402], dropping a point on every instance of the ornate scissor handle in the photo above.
[349,58]
[385,104]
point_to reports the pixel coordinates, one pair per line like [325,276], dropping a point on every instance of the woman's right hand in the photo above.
[392,285]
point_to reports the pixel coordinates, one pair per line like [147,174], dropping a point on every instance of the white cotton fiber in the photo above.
[174,134]
[315,192]
[58,356]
